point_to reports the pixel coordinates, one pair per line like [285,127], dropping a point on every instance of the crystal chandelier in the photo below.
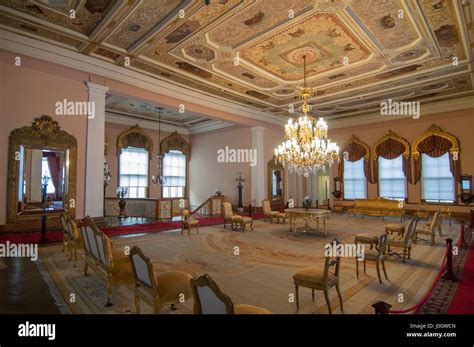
[159,178]
[307,148]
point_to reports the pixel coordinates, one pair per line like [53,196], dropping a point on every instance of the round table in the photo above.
[308,215]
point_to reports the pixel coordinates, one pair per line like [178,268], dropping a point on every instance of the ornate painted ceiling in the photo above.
[359,52]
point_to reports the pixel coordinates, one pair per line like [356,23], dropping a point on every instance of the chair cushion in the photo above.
[395,227]
[191,222]
[249,309]
[366,238]
[312,276]
[173,283]
[122,271]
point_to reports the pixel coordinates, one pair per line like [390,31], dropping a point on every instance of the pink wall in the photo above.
[26,94]
[208,174]
[112,131]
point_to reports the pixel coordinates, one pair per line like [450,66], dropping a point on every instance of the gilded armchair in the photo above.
[430,229]
[72,240]
[320,278]
[377,255]
[110,264]
[209,299]
[267,211]
[187,222]
[157,289]
[235,220]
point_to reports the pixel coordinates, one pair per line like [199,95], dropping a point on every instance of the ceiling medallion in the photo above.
[307,148]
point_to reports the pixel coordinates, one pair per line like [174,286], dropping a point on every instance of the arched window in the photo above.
[176,151]
[134,148]
[354,168]
[437,163]
[391,166]
[355,183]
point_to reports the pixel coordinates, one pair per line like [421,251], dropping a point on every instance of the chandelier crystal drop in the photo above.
[307,148]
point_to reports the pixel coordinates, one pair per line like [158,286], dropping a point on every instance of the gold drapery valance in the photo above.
[354,150]
[135,137]
[435,142]
[175,142]
[391,146]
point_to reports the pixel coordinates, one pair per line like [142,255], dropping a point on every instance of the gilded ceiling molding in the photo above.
[435,130]
[177,143]
[135,137]
[391,135]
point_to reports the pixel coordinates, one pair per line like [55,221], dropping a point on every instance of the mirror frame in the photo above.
[271,165]
[44,133]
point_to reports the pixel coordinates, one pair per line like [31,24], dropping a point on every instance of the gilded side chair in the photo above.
[187,222]
[430,229]
[64,227]
[377,255]
[72,240]
[157,289]
[268,213]
[236,221]
[209,299]
[110,264]
[405,242]
[320,278]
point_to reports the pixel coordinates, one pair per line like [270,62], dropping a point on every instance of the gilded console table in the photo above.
[310,215]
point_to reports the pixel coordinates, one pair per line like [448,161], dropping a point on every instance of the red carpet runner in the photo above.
[54,236]
[463,300]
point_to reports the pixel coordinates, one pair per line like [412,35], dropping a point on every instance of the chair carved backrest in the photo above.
[208,298]
[96,244]
[63,219]
[185,214]
[227,209]
[410,231]
[142,268]
[435,221]
[266,206]
[330,262]
[383,241]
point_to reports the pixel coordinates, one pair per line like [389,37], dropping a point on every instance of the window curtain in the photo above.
[391,149]
[54,168]
[435,146]
[356,151]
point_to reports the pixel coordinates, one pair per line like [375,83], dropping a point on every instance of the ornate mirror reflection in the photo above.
[275,182]
[41,171]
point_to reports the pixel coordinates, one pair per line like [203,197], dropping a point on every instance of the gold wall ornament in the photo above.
[436,131]
[355,140]
[175,142]
[135,137]
[44,133]
[274,166]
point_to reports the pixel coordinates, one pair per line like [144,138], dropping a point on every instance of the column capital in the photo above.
[258,129]
[97,88]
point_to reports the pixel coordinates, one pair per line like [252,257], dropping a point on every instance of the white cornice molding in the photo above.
[145,124]
[17,43]
[426,111]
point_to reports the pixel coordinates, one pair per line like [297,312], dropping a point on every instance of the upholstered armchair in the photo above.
[236,220]
[430,229]
[110,264]
[187,222]
[377,255]
[209,299]
[267,211]
[406,242]
[320,278]
[157,289]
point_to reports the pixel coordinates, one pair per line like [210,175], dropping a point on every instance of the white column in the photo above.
[258,171]
[94,193]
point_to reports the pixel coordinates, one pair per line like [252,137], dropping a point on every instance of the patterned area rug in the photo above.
[256,267]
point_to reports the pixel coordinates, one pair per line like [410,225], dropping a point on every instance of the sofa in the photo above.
[378,207]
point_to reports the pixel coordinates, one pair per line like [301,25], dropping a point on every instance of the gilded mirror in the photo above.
[41,171]
[275,182]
